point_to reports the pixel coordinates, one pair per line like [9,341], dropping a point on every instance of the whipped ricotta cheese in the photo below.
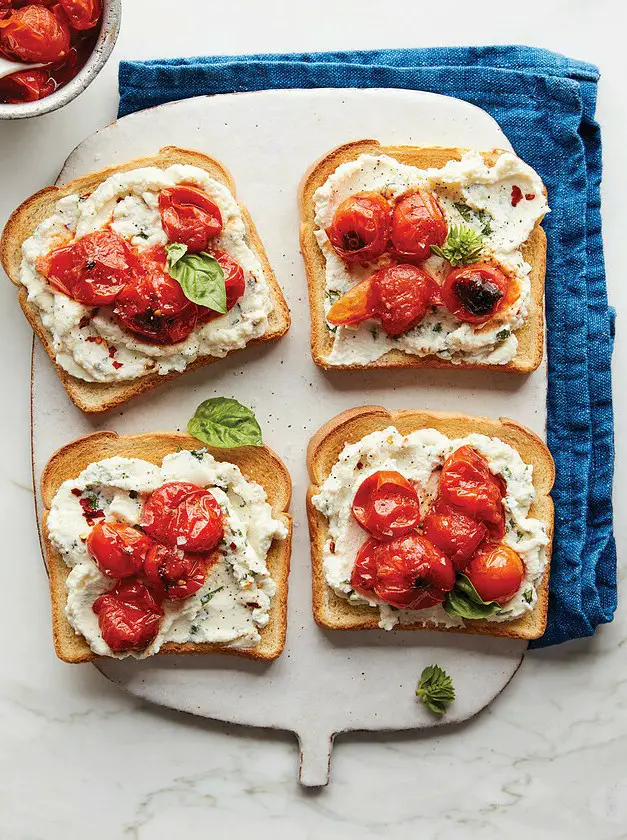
[128,202]
[469,183]
[232,606]
[418,456]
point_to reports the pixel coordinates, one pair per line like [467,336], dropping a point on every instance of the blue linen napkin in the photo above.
[545,104]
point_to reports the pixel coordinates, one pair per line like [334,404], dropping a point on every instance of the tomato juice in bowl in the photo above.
[70,39]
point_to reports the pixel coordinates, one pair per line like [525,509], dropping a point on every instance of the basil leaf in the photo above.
[224,422]
[465,601]
[199,275]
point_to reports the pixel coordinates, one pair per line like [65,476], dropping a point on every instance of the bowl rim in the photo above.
[109,30]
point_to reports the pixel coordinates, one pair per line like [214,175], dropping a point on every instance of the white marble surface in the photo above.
[78,758]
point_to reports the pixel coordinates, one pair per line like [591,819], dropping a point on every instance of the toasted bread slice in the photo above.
[93,397]
[335,613]
[260,464]
[530,336]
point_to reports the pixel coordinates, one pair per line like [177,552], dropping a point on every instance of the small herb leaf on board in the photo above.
[225,423]
[435,689]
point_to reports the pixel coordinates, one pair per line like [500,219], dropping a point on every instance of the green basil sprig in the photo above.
[435,689]
[225,423]
[199,275]
[465,601]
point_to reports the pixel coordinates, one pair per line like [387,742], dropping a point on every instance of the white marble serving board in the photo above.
[324,683]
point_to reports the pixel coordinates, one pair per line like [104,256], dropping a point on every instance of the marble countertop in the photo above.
[79,758]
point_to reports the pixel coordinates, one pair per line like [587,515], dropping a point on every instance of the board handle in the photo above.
[315,757]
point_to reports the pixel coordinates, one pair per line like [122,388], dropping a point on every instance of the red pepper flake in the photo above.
[117,365]
[77,492]
[360,466]
[530,196]
[232,546]
[517,195]
[111,352]
[96,339]
[84,322]
[89,512]
[332,547]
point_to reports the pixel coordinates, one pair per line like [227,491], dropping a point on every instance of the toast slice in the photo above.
[257,463]
[334,613]
[530,335]
[94,397]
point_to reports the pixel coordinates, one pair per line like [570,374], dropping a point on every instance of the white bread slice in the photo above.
[260,464]
[94,397]
[530,335]
[335,613]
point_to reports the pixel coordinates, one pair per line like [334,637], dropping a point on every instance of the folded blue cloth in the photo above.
[545,104]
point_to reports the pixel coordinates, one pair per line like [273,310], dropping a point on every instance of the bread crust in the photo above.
[530,335]
[335,613]
[96,397]
[260,464]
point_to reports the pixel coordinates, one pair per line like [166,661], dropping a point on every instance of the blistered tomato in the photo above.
[475,293]
[117,549]
[82,14]
[185,516]
[496,571]
[360,228]
[467,483]
[35,34]
[454,533]
[189,216]
[402,295]
[386,505]
[418,222]
[355,305]
[173,574]
[128,616]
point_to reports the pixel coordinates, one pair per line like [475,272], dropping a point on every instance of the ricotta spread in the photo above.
[234,602]
[128,202]
[486,191]
[418,456]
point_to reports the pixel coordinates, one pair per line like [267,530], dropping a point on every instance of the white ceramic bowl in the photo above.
[111,14]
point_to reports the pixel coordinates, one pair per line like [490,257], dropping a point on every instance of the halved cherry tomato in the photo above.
[185,516]
[189,216]
[234,283]
[417,223]
[355,305]
[117,549]
[93,269]
[35,34]
[360,228]
[411,573]
[475,293]
[173,574]
[82,14]
[496,571]
[155,307]
[386,505]
[454,532]
[26,86]
[402,295]
[467,483]
[128,615]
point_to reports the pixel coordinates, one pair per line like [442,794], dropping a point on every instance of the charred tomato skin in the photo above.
[475,293]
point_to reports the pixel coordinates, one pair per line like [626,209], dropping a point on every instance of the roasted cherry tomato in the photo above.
[189,216]
[128,615]
[173,574]
[496,571]
[417,223]
[454,533]
[475,293]
[411,573]
[93,269]
[155,307]
[185,516]
[467,483]
[234,283]
[386,505]
[402,295]
[35,34]
[26,86]
[355,305]
[82,14]
[118,550]
[360,228]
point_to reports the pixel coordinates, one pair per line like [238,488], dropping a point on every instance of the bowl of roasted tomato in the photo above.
[51,50]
